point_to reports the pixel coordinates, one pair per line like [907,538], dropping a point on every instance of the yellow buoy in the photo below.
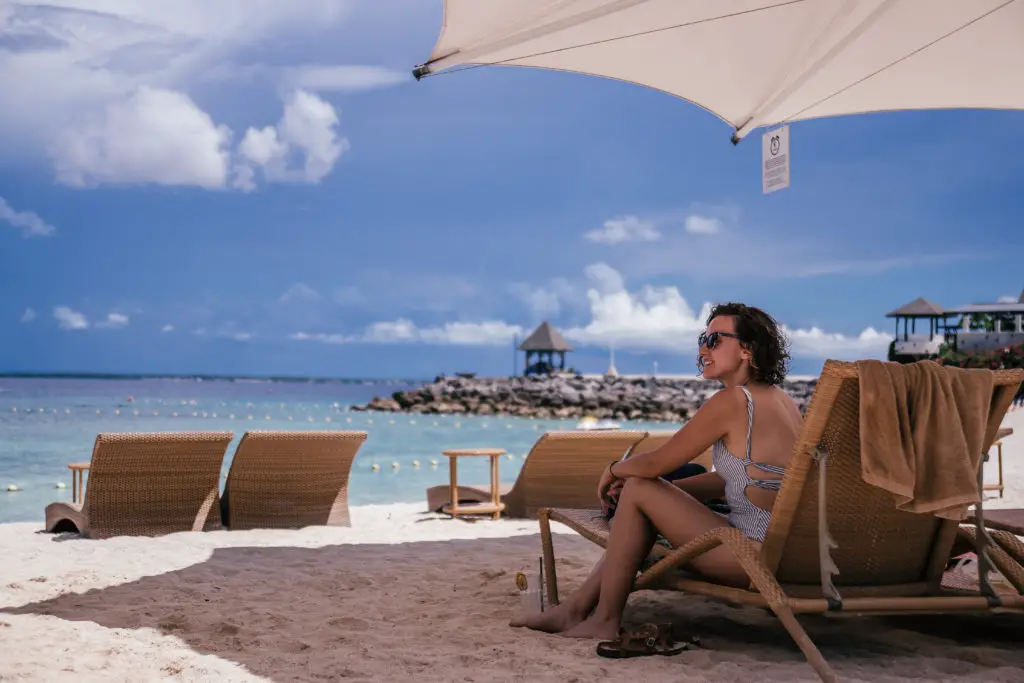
[433,463]
[374,467]
[415,463]
[60,485]
[13,487]
[394,465]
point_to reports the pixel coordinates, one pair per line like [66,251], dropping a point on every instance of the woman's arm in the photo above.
[707,486]
[709,424]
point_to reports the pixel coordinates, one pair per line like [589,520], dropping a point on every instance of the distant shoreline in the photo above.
[206,378]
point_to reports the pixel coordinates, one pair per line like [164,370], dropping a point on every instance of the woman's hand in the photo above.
[605,484]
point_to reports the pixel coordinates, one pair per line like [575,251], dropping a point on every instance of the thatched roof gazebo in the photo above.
[546,342]
[919,309]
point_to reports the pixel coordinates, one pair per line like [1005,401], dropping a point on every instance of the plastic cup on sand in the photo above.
[531,595]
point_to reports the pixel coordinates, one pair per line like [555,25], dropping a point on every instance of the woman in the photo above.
[745,350]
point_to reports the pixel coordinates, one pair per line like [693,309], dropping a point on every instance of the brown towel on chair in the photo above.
[922,431]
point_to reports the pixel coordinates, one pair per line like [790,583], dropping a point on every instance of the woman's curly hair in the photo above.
[760,334]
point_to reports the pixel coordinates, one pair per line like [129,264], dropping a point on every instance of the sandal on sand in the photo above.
[651,639]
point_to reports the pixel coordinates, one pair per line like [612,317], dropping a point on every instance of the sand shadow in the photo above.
[384,611]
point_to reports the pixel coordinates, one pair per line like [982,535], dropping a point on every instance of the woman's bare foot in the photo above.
[554,620]
[594,627]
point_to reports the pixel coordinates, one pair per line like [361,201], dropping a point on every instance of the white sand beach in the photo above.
[405,594]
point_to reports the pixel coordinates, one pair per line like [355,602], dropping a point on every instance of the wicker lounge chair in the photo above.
[147,484]
[562,469]
[886,560]
[1005,519]
[290,479]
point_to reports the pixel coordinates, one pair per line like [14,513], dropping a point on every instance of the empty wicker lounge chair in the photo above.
[290,479]
[888,560]
[147,484]
[562,469]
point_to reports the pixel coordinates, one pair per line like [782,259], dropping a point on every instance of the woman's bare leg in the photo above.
[645,505]
[569,612]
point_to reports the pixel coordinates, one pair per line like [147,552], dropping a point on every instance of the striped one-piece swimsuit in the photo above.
[750,519]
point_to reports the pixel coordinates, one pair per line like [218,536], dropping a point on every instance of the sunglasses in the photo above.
[710,340]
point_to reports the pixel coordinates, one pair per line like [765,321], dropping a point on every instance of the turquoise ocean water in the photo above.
[47,423]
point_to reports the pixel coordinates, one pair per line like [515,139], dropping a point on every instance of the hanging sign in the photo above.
[775,160]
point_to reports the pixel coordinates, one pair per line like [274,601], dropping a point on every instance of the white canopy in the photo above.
[759,62]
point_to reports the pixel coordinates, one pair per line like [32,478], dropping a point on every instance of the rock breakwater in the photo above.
[565,397]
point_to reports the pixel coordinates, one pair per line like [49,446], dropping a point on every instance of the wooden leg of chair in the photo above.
[999,457]
[806,645]
[749,557]
[547,546]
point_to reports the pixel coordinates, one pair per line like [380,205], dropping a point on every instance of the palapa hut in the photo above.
[919,309]
[545,342]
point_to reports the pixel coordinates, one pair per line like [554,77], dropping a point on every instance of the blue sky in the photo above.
[261,188]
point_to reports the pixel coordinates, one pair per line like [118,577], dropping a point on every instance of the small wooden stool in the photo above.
[78,470]
[998,443]
[495,507]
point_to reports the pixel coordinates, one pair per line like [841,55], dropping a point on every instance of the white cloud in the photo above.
[542,301]
[167,328]
[69,319]
[486,333]
[338,78]
[625,229]
[28,316]
[241,336]
[402,330]
[606,279]
[26,221]
[300,291]
[1007,300]
[152,136]
[308,129]
[114,320]
[348,296]
[817,343]
[79,68]
[660,319]
[703,225]
[322,337]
